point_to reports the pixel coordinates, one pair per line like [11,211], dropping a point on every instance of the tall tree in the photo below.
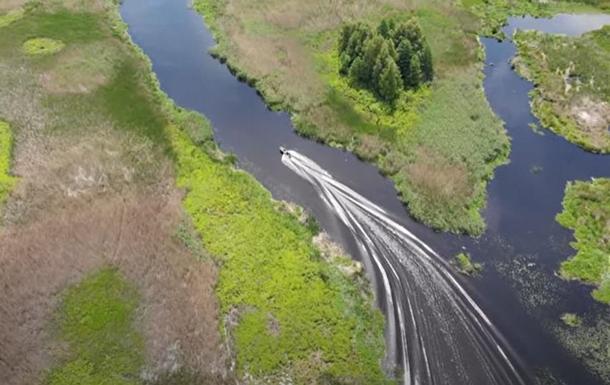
[372,49]
[386,28]
[390,82]
[415,74]
[405,52]
[427,67]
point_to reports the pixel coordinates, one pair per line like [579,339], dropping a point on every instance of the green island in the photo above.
[439,142]
[572,84]
[586,210]
[464,264]
[165,264]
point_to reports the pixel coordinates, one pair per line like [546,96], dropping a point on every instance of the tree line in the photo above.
[388,59]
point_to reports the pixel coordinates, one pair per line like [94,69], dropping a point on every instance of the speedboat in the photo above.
[284,151]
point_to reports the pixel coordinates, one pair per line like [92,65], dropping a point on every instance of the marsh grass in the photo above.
[586,210]
[572,78]
[120,136]
[450,120]
[240,225]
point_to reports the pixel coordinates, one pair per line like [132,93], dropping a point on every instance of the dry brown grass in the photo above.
[131,232]
[9,5]
[593,118]
[438,177]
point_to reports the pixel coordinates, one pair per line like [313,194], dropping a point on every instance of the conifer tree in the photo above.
[390,82]
[427,68]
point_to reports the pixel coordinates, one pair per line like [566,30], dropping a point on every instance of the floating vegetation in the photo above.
[43,46]
[571,319]
[464,265]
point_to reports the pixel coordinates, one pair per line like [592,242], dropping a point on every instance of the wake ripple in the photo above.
[435,332]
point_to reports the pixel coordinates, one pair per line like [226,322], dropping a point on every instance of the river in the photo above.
[520,212]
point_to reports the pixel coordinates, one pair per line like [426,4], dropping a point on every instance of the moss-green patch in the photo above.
[466,266]
[586,210]
[323,323]
[572,78]
[130,104]
[6,145]
[97,321]
[11,17]
[42,46]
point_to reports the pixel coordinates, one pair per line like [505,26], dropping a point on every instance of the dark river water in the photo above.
[521,204]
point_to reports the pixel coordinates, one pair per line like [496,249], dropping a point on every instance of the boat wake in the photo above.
[435,332]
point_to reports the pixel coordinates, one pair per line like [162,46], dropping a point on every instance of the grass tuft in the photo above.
[571,319]
[42,46]
[6,146]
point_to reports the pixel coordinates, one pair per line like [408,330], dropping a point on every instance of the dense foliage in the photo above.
[587,211]
[394,57]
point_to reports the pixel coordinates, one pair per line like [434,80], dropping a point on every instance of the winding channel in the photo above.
[441,328]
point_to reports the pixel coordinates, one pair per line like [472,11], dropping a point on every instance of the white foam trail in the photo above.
[442,336]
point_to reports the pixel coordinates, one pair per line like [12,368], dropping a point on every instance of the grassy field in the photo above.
[587,211]
[572,78]
[118,200]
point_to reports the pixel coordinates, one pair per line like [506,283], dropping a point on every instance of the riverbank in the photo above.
[571,75]
[98,152]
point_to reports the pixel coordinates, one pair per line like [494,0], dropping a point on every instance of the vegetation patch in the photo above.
[337,334]
[466,266]
[42,46]
[572,79]
[6,146]
[97,321]
[11,17]
[586,210]
[571,319]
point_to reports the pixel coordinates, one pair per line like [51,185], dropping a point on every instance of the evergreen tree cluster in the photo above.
[387,60]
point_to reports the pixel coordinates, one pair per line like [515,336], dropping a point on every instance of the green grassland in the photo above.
[572,79]
[288,312]
[586,210]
